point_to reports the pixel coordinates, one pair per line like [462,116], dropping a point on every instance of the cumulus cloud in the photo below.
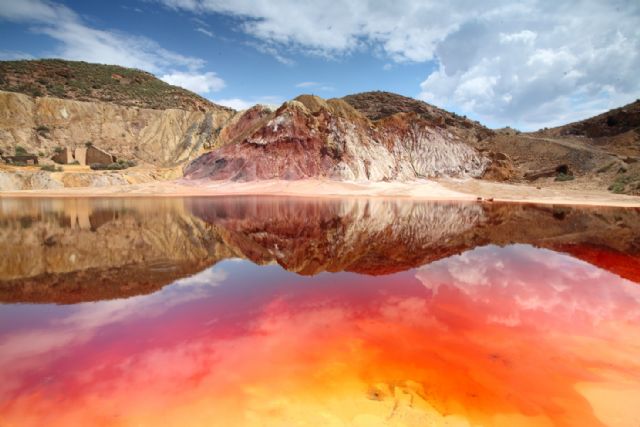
[78,41]
[196,82]
[528,64]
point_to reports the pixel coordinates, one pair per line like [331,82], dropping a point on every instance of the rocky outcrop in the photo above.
[310,137]
[157,137]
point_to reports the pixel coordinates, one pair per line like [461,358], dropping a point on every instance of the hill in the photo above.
[83,81]
[373,136]
[378,105]
[47,106]
[611,123]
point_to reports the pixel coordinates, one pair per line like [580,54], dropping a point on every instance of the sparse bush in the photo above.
[51,168]
[88,144]
[21,151]
[43,130]
[617,187]
[127,163]
[107,166]
[75,162]
[58,150]
[564,177]
[623,181]
[40,154]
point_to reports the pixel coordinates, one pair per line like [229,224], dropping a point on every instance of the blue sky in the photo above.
[528,65]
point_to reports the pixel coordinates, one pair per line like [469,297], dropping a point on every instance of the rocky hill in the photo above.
[345,139]
[612,123]
[48,105]
[82,81]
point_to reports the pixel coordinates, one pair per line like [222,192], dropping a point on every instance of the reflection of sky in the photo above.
[233,336]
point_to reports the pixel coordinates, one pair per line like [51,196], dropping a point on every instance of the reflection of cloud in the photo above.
[209,277]
[290,345]
[520,278]
[21,349]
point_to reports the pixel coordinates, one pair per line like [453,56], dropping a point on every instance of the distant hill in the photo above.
[612,123]
[83,81]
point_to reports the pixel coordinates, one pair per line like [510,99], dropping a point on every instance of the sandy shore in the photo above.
[450,190]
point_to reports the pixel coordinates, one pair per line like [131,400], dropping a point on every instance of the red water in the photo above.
[509,335]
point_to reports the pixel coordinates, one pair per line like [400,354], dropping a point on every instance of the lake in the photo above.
[305,312]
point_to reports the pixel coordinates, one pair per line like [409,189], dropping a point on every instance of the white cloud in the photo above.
[320,86]
[243,104]
[235,103]
[530,63]
[204,31]
[543,64]
[197,82]
[307,84]
[79,41]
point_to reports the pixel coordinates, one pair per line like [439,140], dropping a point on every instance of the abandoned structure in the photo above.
[20,159]
[84,156]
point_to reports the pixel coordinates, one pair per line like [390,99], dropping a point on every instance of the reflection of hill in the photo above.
[75,250]
[383,236]
[91,250]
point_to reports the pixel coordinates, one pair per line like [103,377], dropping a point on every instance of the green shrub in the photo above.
[127,163]
[617,187]
[40,154]
[564,177]
[107,166]
[51,168]
[88,144]
[21,151]
[58,150]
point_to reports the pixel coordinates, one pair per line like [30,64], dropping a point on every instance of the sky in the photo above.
[526,64]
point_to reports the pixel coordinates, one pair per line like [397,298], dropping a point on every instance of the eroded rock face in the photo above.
[313,138]
[157,137]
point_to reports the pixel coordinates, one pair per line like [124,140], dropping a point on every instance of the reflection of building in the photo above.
[84,156]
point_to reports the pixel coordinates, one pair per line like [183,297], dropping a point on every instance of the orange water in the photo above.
[494,336]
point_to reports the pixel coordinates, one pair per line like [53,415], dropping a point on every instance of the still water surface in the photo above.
[290,312]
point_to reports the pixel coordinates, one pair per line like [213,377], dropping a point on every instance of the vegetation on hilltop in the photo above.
[97,82]
[377,105]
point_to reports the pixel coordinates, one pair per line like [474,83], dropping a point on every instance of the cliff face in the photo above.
[311,137]
[157,137]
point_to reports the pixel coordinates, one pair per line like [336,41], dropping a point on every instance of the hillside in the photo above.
[50,105]
[612,123]
[355,138]
[378,105]
[83,81]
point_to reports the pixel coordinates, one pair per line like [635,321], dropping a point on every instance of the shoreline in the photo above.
[454,190]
